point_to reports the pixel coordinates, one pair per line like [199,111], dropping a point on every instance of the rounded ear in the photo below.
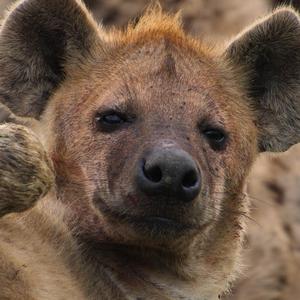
[268,57]
[38,39]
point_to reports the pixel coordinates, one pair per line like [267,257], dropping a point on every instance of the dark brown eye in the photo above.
[111,120]
[216,137]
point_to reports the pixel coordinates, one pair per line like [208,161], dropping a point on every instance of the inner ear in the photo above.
[52,45]
[38,40]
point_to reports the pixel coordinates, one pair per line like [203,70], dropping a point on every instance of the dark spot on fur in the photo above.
[218,13]
[288,229]
[282,280]
[278,192]
[275,250]
[169,65]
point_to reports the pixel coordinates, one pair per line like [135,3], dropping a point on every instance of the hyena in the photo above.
[147,136]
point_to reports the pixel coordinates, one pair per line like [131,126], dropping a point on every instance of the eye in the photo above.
[217,138]
[110,120]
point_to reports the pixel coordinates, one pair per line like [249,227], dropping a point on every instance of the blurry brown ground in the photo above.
[212,19]
[272,260]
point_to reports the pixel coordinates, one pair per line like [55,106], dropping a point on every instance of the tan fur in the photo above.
[271,256]
[86,239]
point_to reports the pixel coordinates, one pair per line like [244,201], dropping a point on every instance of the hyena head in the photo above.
[151,132]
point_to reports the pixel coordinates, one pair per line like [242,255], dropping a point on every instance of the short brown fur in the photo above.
[88,236]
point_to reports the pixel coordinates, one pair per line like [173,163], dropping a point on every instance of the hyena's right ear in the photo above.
[37,40]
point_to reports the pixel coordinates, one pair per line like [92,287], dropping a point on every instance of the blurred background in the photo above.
[215,20]
[272,247]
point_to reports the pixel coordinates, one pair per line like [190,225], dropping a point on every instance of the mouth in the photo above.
[158,224]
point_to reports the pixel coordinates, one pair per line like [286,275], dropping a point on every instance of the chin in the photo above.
[149,224]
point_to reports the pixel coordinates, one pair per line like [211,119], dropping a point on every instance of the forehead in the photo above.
[163,62]
[162,75]
[158,80]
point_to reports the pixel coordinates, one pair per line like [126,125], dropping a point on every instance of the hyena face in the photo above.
[151,133]
[161,140]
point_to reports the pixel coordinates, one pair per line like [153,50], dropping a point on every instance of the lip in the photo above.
[160,225]
[156,225]
[161,220]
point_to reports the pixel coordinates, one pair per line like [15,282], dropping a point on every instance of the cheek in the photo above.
[213,182]
[240,162]
[121,158]
[223,173]
[211,167]
[235,167]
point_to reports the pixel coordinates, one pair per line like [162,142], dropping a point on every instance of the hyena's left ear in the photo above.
[268,57]
[39,41]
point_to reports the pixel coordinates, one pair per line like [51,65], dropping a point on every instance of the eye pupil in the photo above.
[112,119]
[216,138]
[215,135]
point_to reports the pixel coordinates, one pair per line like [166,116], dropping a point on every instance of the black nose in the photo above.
[169,172]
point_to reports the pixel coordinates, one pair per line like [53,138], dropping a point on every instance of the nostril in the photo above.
[154,174]
[190,179]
